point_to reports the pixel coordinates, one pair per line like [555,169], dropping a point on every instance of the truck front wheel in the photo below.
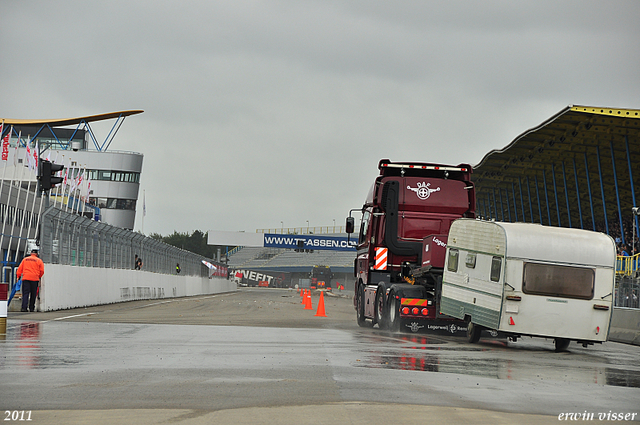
[360,307]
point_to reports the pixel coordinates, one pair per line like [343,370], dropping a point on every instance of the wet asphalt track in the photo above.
[257,356]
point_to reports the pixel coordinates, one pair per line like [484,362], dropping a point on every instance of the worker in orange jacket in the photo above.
[31,270]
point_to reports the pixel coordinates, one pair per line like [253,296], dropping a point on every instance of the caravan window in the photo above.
[558,281]
[471,260]
[496,266]
[452,261]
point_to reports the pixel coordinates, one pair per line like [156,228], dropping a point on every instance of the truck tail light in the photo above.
[425,312]
[415,310]
[405,310]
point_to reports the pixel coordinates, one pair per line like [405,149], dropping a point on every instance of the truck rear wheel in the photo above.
[473,332]
[394,313]
[380,309]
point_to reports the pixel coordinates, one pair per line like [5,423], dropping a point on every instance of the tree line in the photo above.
[195,242]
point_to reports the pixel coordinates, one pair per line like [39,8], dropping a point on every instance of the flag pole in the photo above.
[4,173]
[68,185]
[83,182]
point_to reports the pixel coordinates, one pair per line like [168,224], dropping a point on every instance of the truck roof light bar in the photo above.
[422,167]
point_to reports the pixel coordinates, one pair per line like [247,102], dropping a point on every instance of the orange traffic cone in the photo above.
[307,305]
[301,296]
[320,312]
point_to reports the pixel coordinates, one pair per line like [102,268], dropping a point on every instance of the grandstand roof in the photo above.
[72,121]
[583,153]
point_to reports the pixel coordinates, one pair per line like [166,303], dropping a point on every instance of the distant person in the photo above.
[177,268]
[135,262]
[139,263]
[31,270]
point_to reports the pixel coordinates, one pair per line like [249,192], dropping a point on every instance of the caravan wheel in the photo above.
[561,344]
[473,332]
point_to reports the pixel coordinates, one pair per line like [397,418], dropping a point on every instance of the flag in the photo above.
[76,179]
[66,175]
[5,145]
[87,199]
[28,157]
[15,153]
[36,157]
[80,178]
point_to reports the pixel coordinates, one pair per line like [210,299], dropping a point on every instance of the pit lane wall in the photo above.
[625,326]
[66,287]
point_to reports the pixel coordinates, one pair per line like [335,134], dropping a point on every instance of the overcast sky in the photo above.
[262,112]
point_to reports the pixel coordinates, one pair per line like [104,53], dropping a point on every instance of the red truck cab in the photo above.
[403,233]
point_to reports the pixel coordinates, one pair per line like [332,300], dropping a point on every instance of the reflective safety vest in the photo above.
[31,268]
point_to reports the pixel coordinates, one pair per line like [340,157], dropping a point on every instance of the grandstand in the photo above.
[577,169]
[297,264]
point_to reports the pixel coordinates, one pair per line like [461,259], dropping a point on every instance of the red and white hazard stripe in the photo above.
[418,302]
[381,259]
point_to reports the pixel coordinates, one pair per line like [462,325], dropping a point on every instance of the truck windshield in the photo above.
[366,216]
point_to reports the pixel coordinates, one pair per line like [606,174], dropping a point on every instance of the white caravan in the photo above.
[530,280]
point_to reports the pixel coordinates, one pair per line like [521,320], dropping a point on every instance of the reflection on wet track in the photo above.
[28,345]
[492,359]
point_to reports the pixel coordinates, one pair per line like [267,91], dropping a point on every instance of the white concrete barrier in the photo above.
[625,326]
[66,287]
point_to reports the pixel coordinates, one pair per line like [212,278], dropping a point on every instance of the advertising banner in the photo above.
[333,243]
[270,279]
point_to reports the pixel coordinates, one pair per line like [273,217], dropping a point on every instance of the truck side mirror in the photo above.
[350,226]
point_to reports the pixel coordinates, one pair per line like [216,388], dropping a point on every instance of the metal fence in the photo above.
[627,292]
[74,240]
[317,230]
[628,281]
[628,265]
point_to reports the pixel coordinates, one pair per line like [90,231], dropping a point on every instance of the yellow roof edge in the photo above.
[614,112]
[72,121]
